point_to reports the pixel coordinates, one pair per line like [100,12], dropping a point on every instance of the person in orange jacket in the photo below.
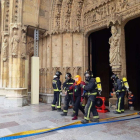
[77,92]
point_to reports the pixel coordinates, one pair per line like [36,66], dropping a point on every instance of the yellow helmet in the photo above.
[78,79]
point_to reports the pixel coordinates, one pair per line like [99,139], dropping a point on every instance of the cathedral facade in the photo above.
[66,43]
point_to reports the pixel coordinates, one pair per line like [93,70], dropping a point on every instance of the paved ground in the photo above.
[13,120]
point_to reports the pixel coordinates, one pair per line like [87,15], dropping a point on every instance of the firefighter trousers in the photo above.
[90,107]
[120,102]
[57,99]
[68,98]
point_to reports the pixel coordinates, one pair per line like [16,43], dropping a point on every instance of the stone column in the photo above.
[16,93]
[123,52]
[5,6]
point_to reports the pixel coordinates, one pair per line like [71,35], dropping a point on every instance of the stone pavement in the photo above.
[13,120]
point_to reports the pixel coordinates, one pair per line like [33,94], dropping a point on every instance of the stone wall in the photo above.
[62,52]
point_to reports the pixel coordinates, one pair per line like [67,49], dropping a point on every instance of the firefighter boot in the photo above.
[115,112]
[95,120]
[64,114]
[84,121]
[53,108]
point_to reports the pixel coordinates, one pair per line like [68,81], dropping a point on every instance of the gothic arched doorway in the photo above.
[99,59]
[132,36]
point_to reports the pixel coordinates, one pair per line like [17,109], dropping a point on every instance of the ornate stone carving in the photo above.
[58,14]
[6,6]
[114,41]
[126,15]
[114,19]
[30,46]
[15,42]
[4,48]
[77,19]
[16,11]
[23,45]
[67,15]
[77,71]
[106,10]
[42,70]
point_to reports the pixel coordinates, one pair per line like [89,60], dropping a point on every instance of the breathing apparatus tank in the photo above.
[126,85]
[99,86]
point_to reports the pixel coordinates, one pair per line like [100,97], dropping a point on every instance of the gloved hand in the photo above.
[127,89]
[117,94]
[83,94]
[81,85]
[61,93]
[84,91]
[100,92]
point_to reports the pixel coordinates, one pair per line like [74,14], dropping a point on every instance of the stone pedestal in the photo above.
[16,97]
[113,102]
[48,98]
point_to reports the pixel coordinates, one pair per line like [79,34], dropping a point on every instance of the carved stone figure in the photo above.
[4,48]
[124,4]
[23,46]
[15,43]
[118,6]
[114,42]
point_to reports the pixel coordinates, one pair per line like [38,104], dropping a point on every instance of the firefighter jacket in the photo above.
[56,85]
[119,86]
[91,88]
[67,84]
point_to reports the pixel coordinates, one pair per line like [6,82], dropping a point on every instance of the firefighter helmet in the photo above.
[58,73]
[68,75]
[114,77]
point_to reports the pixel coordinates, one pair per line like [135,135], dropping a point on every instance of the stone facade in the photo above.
[64,45]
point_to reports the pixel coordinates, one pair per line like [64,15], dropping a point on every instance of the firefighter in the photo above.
[77,92]
[85,93]
[69,94]
[91,88]
[57,91]
[120,93]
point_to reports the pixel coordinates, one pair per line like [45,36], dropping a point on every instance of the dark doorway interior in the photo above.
[132,37]
[99,53]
